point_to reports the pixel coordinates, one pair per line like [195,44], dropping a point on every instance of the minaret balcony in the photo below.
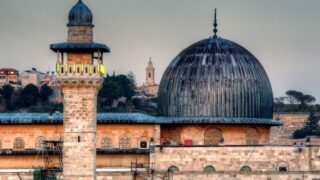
[79,73]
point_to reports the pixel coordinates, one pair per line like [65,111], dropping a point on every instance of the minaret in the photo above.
[80,77]
[150,74]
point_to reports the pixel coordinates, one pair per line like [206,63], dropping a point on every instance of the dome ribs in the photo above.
[215,78]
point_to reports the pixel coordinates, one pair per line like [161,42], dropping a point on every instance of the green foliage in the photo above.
[7,91]
[297,97]
[298,102]
[115,87]
[45,92]
[311,127]
[42,174]
[29,96]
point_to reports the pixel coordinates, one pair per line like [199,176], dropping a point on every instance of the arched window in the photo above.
[245,169]
[39,142]
[106,143]
[283,167]
[252,136]
[149,75]
[209,169]
[173,169]
[213,136]
[124,142]
[18,143]
[175,136]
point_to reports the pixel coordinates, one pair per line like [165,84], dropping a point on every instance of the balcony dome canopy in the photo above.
[80,15]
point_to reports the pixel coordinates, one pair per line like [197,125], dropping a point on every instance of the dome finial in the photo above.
[215,24]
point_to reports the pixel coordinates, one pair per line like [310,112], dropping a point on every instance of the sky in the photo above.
[282,34]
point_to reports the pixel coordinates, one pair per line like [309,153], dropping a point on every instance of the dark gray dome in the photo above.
[80,15]
[215,77]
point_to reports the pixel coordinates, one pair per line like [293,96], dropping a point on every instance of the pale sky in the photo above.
[283,34]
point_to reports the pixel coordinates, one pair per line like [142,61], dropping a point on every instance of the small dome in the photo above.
[80,15]
[215,77]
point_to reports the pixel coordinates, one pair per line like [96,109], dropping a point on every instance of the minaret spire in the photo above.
[215,24]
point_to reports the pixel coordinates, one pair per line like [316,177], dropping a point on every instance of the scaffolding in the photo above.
[51,153]
[143,171]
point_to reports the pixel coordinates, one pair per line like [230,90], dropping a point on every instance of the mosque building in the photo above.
[215,115]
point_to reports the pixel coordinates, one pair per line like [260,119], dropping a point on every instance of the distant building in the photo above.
[149,87]
[9,76]
[32,76]
[51,81]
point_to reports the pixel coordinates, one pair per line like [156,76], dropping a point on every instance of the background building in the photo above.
[9,76]
[32,76]
[149,87]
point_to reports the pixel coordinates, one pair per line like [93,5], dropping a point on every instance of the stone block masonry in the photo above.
[79,148]
[233,158]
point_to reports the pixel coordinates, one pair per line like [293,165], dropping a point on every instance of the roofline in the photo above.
[133,118]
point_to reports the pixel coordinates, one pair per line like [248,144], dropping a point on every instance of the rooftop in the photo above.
[130,118]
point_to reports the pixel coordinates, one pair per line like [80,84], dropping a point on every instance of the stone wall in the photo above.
[30,133]
[80,34]
[79,58]
[103,161]
[188,176]
[291,122]
[233,158]
[231,134]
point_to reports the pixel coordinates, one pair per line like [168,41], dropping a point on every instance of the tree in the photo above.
[29,96]
[297,97]
[294,96]
[132,80]
[45,92]
[115,87]
[6,91]
[311,127]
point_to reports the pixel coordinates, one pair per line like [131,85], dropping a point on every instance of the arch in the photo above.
[173,169]
[209,168]
[124,142]
[252,136]
[213,136]
[175,136]
[39,142]
[18,143]
[246,169]
[106,143]
[283,166]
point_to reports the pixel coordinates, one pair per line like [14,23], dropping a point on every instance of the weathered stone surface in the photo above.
[80,34]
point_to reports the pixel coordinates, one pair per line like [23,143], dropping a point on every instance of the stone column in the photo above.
[79,146]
